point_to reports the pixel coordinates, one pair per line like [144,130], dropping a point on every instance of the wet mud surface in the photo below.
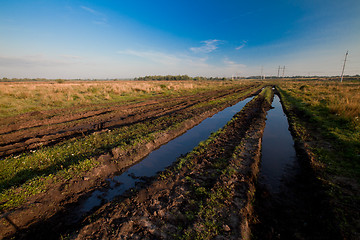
[215,192]
[175,202]
[161,158]
[52,208]
[179,205]
[290,203]
[32,130]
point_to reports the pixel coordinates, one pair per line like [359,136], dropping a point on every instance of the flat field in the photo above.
[325,115]
[22,97]
[61,141]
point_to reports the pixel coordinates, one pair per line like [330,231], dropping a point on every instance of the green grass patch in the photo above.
[343,135]
[335,144]
[31,173]
[268,94]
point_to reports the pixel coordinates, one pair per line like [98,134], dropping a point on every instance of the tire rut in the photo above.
[168,208]
[51,135]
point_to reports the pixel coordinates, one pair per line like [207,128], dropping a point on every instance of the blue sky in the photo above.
[131,38]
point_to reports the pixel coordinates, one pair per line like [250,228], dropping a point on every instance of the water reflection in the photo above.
[163,157]
[278,152]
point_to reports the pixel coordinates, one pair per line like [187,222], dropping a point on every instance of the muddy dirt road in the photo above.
[52,206]
[204,195]
[32,130]
[220,190]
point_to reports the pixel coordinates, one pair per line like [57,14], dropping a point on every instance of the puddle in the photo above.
[287,202]
[278,154]
[161,158]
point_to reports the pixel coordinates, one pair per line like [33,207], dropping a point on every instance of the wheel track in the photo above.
[34,138]
[157,211]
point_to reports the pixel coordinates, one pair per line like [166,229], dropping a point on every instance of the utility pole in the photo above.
[342,73]
[261,75]
[283,71]
[279,72]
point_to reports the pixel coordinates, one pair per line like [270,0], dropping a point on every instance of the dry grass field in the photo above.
[22,97]
[342,99]
[326,117]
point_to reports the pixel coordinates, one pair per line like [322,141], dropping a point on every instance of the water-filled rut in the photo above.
[161,158]
[278,152]
[288,202]
[68,214]
[208,192]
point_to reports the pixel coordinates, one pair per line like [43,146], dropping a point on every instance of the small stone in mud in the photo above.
[161,213]
[86,178]
[127,226]
[226,228]
[145,223]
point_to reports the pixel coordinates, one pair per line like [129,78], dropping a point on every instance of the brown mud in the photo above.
[175,205]
[32,130]
[49,212]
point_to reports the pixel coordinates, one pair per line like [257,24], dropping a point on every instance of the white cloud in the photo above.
[230,63]
[101,18]
[90,10]
[102,21]
[130,63]
[233,67]
[166,58]
[169,63]
[241,46]
[208,46]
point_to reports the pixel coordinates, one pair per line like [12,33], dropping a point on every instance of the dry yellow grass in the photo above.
[340,98]
[21,97]
[329,124]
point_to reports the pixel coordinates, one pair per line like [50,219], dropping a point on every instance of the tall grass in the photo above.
[335,108]
[342,99]
[328,120]
[22,97]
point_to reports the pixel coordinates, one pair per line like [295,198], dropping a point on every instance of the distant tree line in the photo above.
[177,78]
[164,78]
[22,79]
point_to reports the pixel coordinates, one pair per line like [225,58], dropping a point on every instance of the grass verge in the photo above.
[331,135]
